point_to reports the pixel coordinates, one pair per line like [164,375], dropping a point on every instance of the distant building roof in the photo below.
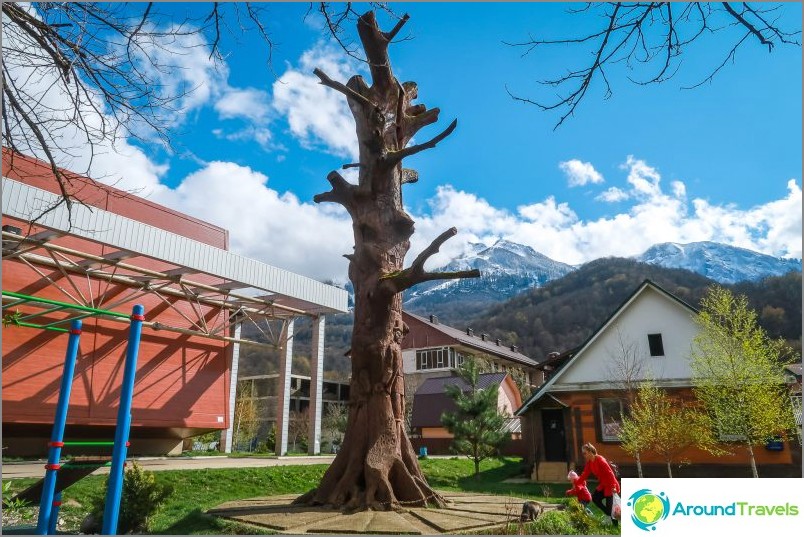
[439,384]
[431,399]
[794,369]
[488,346]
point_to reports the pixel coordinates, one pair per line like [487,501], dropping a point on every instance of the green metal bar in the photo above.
[96,311]
[38,313]
[89,443]
[62,321]
[39,326]
[17,303]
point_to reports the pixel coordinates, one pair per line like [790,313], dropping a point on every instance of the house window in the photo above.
[421,360]
[611,419]
[452,358]
[439,357]
[655,344]
[432,358]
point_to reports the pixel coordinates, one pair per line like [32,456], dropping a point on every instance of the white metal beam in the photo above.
[316,385]
[232,388]
[283,392]
[26,202]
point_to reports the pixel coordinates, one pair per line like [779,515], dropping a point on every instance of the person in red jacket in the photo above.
[579,490]
[599,467]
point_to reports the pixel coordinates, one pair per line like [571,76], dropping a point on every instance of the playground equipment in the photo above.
[58,477]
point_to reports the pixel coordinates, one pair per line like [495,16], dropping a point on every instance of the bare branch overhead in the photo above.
[654,35]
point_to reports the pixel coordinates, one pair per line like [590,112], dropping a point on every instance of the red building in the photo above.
[115,251]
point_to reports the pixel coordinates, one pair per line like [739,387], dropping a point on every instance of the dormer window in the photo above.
[656,345]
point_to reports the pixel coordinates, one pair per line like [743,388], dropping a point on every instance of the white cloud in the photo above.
[276,228]
[180,64]
[555,229]
[643,179]
[580,173]
[318,116]
[246,103]
[612,195]
[85,146]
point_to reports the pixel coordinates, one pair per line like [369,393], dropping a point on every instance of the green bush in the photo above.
[583,522]
[142,496]
[552,523]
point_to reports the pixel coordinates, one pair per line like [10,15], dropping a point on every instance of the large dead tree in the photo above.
[377,467]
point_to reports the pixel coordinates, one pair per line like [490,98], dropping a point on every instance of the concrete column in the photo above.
[283,392]
[228,434]
[316,385]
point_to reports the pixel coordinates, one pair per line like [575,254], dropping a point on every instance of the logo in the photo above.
[648,508]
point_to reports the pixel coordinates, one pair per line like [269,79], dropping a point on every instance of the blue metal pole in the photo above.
[57,434]
[114,491]
[54,515]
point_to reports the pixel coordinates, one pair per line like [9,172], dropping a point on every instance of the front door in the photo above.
[555,445]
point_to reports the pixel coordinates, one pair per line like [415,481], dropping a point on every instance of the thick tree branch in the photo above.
[342,191]
[375,43]
[389,36]
[416,274]
[408,176]
[341,88]
[396,156]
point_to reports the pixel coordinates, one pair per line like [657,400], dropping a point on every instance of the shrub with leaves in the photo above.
[142,496]
[552,523]
[477,426]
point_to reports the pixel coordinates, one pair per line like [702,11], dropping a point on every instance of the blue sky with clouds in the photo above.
[649,164]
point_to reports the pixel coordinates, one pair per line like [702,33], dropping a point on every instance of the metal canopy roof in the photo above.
[258,286]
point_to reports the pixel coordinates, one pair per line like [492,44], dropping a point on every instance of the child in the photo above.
[579,490]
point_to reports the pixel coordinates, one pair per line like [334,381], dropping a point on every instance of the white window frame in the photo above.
[604,435]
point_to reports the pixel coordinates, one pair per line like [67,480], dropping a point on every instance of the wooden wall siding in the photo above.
[182,381]
[583,403]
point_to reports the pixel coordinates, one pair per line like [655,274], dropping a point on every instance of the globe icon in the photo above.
[648,509]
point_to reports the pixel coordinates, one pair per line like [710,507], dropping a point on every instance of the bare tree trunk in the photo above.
[639,465]
[754,471]
[669,468]
[376,467]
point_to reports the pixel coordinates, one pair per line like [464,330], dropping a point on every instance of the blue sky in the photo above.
[713,163]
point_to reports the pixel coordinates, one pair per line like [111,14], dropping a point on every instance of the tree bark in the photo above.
[669,469]
[376,467]
[754,471]
[639,465]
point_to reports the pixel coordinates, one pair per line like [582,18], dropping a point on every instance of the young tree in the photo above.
[626,371]
[334,422]
[477,425]
[681,427]
[738,372]
[298,426]
[657,423]
[246,416]
[377,467]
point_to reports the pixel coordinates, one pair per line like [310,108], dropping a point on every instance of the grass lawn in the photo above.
[195,491]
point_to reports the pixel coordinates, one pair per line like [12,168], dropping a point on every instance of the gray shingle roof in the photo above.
[431,399]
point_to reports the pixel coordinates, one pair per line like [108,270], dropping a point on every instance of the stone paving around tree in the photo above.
[466,513]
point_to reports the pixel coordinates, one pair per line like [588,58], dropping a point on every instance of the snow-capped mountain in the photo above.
[506,269]
[720,262]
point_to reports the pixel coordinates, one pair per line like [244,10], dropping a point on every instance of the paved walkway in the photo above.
[36,469]
[465,512]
